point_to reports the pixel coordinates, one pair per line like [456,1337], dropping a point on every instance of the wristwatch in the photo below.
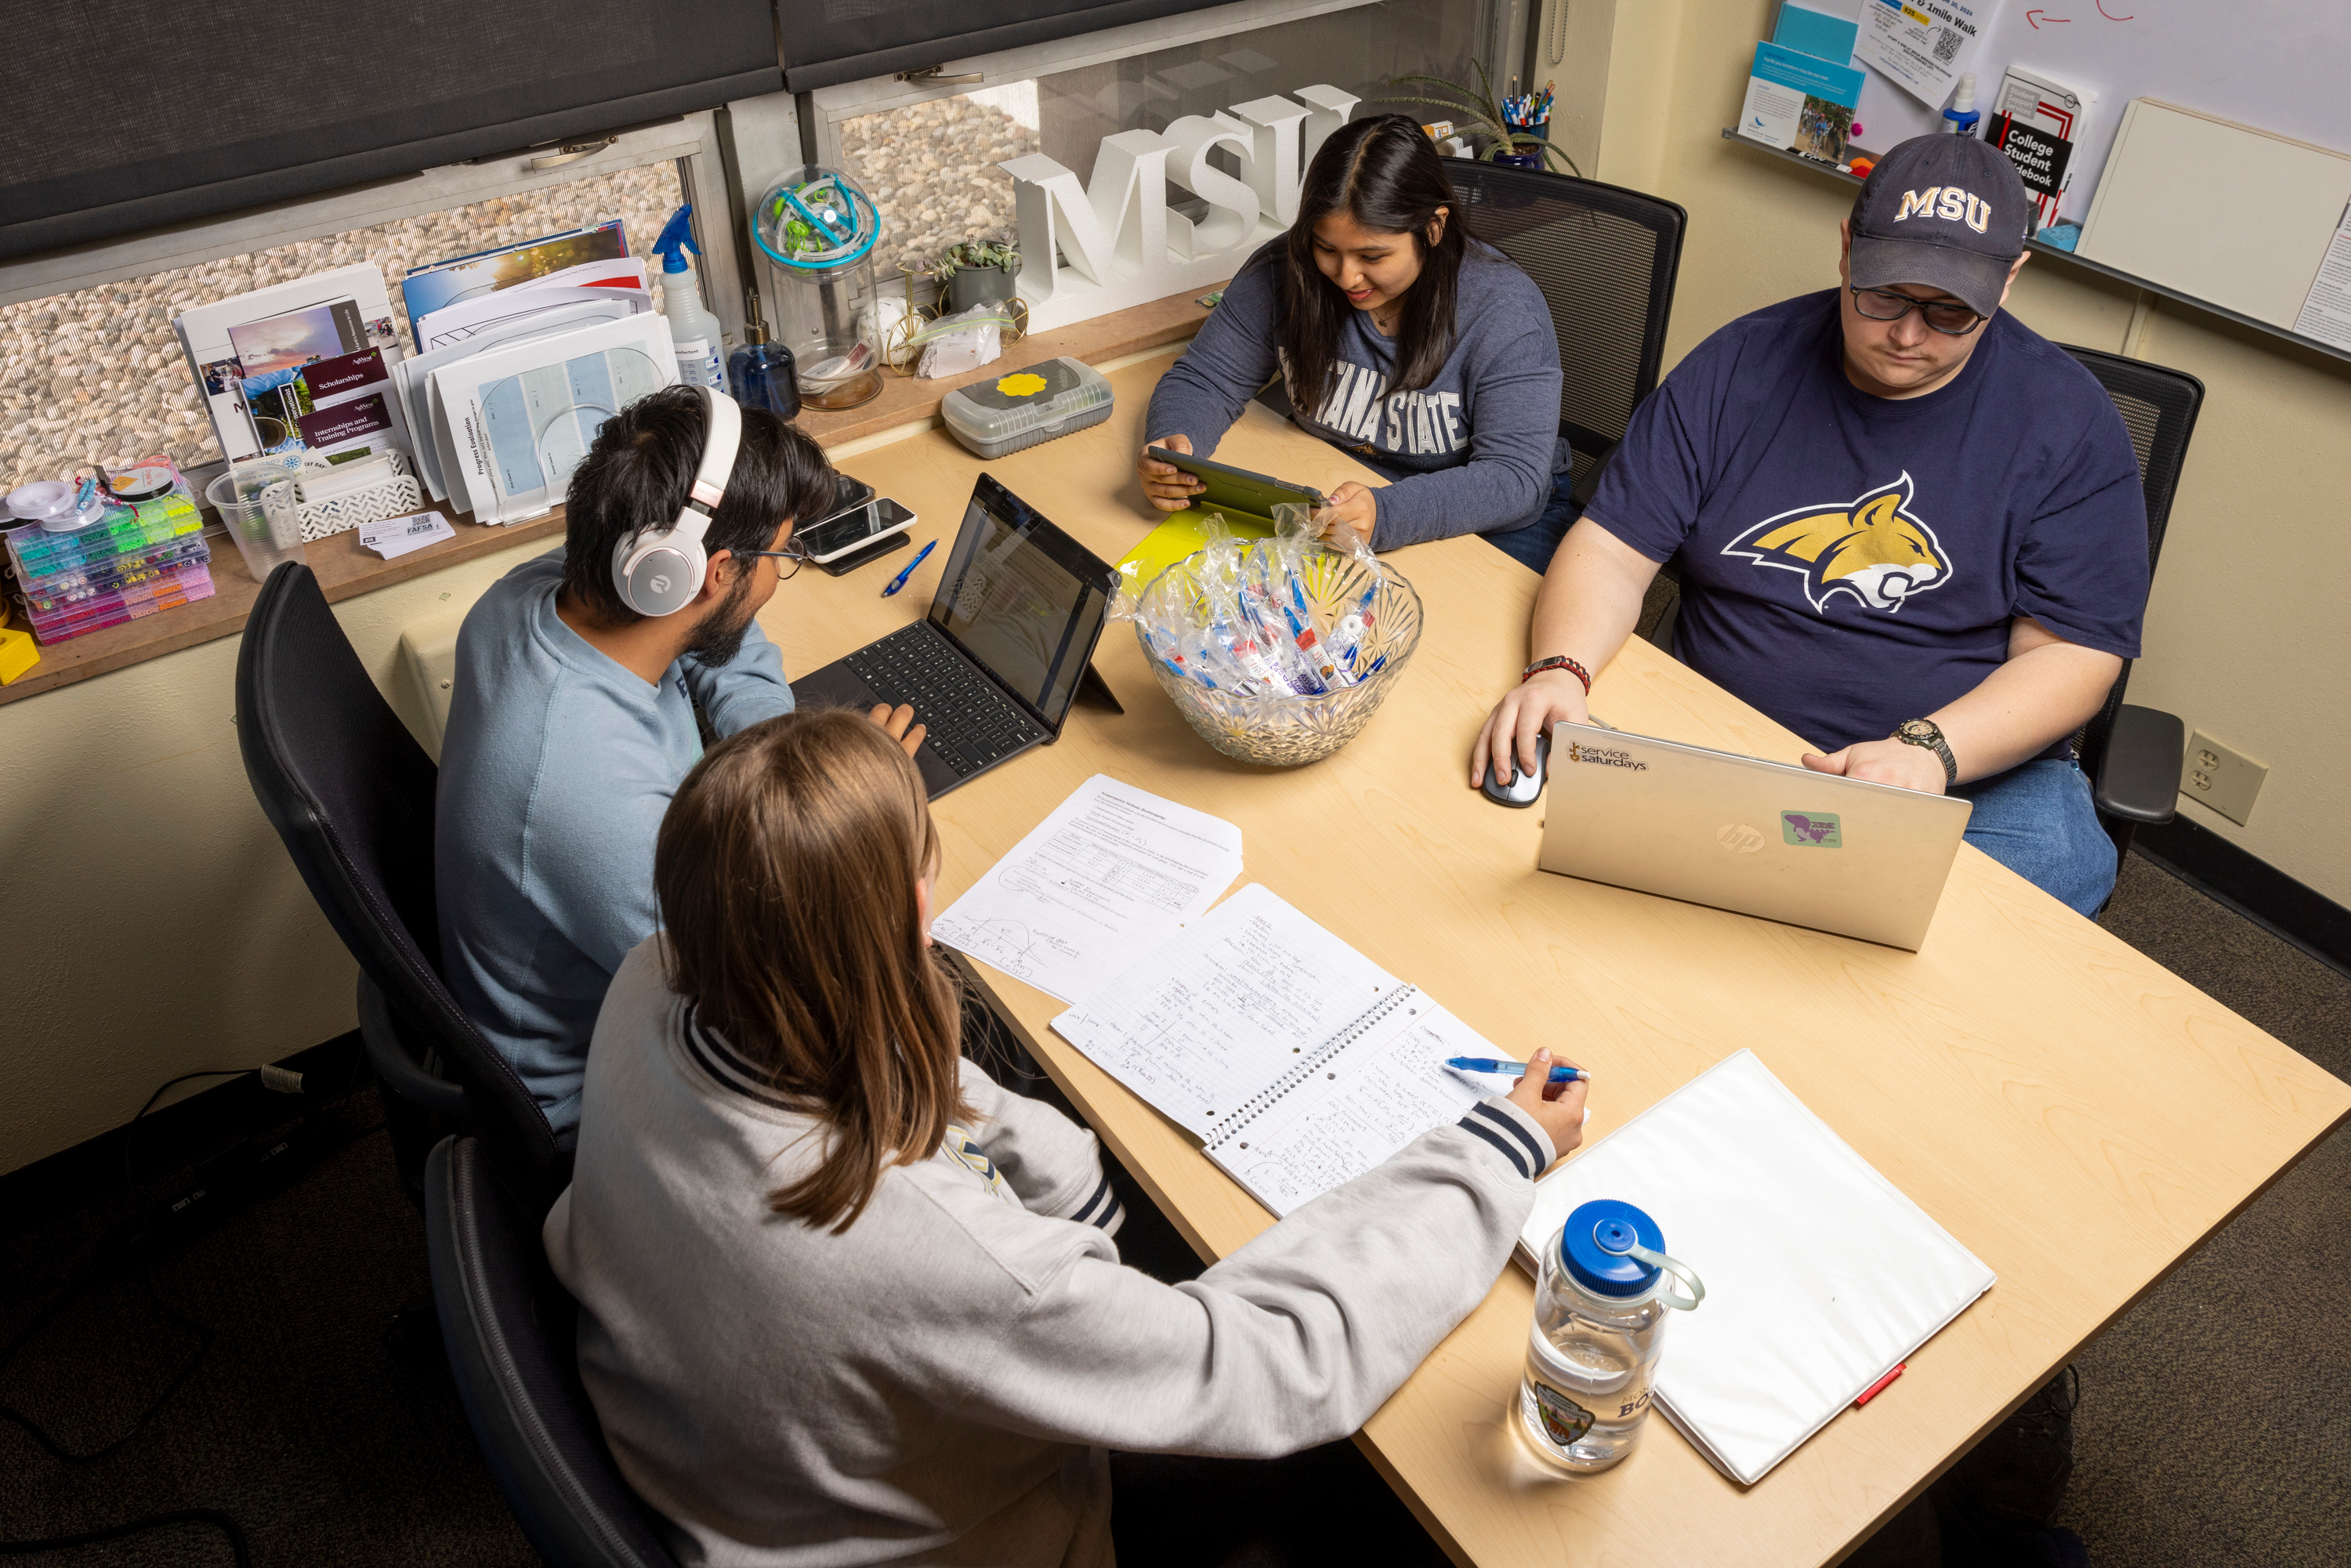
[1925,732]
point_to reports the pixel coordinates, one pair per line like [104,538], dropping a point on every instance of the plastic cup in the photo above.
[257,501]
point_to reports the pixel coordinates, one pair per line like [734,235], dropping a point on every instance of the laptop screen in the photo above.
[1024,598]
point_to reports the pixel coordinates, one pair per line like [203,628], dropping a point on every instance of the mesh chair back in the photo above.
[508,1326]
[350,793]
[2158,407]
[1605,259]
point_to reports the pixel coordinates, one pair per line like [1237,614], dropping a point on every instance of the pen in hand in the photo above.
[899,582]
[1558,1074]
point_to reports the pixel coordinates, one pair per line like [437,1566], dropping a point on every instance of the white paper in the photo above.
[1112,873]
[2326,309]
[1820,1275]
[395,537]
[1216,1014]
[1355,1105]
[409,377]
[510,448]
[1924,46]
[454,324]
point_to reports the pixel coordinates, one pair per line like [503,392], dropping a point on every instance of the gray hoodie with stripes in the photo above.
[940,1383]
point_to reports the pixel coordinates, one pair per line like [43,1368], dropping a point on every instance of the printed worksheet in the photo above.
[1112,873]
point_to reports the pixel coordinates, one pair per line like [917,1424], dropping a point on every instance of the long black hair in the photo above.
[1384,172]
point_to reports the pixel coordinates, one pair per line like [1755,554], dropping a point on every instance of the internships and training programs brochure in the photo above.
[328,311]
[1113,871]
[1299,1063]
[512,425]
[1821,1277]
[2325,312]
[1799,103]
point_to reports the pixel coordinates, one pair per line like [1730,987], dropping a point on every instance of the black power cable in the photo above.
[115,1248]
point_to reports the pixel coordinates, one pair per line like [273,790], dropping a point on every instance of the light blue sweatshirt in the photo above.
[557,769]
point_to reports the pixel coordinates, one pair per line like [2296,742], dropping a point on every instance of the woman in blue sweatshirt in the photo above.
[1403,340]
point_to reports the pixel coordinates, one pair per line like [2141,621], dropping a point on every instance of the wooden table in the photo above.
[2077,1116]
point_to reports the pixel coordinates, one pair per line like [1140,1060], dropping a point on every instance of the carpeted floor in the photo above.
[2210,1433]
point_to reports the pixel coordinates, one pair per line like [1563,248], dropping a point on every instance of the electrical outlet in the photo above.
[2225,780]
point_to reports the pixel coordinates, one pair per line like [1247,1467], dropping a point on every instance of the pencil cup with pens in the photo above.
[1277,651]
[1527,114]
[1599,1330]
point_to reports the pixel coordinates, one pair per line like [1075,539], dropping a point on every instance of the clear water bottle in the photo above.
[1599,1328]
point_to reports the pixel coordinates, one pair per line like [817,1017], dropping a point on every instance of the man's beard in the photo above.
[720,637]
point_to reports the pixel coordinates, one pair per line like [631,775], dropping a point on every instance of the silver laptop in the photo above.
[1740,833]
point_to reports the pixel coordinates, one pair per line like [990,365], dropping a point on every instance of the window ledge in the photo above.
[345,571]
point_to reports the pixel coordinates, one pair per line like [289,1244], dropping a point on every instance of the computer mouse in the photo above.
[1523,788]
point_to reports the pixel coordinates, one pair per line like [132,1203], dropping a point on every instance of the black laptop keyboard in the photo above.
[973,724]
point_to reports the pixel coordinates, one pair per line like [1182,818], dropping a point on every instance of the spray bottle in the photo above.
[1959,120]
[692,330]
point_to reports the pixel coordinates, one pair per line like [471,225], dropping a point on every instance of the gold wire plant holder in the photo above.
[904,355]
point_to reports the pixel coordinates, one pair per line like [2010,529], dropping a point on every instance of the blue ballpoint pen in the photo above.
[899,582]
[1512,1068]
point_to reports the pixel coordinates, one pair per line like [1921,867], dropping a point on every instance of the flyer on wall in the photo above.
[1923,46]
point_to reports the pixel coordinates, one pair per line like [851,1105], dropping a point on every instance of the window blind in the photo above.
[830,41]
[139,113]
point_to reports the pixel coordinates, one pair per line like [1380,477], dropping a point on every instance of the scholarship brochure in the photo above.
[1799,103]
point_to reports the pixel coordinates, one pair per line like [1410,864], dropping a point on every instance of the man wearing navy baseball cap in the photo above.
[1908,527]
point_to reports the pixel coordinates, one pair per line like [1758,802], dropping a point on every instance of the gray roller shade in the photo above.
[138,113]
[830,41]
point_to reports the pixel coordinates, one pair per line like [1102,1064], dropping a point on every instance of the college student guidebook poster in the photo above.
[1799,103]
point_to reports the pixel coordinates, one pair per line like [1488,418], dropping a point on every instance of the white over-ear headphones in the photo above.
[659,573]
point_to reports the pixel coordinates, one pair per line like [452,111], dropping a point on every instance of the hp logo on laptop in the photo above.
[1738,838]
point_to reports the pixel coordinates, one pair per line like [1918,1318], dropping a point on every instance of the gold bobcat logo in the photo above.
[1873,547]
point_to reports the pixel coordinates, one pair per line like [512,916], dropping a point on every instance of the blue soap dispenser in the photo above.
[762,374]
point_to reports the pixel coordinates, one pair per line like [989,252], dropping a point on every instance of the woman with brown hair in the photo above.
[1400,339]
[846,1300]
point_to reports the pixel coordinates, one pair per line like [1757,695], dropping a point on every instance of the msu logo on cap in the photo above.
[1949,203]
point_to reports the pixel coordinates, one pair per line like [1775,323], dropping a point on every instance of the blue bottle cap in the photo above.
[1594,1244]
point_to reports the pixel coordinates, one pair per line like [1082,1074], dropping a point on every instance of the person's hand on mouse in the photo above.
[1166,486]
[1348,515]
[1557,1108]
[1540,700]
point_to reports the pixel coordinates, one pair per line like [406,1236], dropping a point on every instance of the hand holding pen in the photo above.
[899,582]
[1557,1107]
[1559,1072]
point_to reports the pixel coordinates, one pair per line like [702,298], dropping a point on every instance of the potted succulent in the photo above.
[1480,113]
[975,272]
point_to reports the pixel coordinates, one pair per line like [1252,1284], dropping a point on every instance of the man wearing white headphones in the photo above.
[572,719]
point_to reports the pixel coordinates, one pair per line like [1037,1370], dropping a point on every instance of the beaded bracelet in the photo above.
[1561,661]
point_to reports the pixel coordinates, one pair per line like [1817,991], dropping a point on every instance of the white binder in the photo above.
[1820,1276]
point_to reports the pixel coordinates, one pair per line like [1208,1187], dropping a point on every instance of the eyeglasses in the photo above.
[1946,316]
[783,573]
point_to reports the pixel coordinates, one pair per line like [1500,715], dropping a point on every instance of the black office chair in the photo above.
[1605,259]
[350,793]
[2131,755]
[507,1322]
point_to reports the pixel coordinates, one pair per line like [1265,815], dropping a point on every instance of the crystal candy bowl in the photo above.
[1289,731]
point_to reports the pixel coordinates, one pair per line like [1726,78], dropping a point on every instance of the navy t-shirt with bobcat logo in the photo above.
[1848,561]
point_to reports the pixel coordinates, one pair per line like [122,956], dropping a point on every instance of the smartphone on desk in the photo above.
[860,528]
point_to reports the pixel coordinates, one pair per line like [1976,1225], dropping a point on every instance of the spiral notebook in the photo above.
[1298,1062]
[1820,1275]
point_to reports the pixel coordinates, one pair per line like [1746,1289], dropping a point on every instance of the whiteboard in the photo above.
[2282,66]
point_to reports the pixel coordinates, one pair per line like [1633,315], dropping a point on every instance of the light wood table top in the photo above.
[2077,1116]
